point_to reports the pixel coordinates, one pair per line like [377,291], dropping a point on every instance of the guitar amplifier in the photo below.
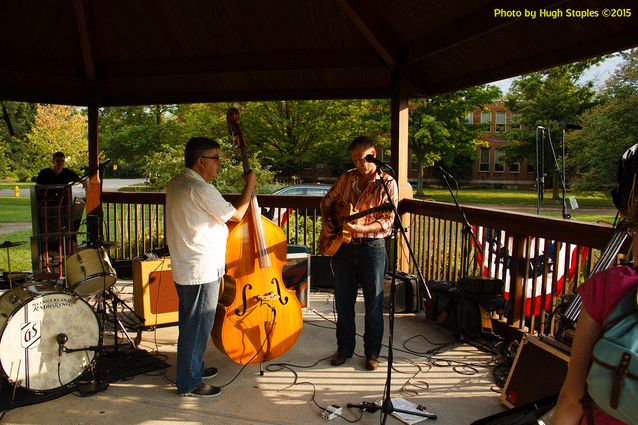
[407,292]
[154,294]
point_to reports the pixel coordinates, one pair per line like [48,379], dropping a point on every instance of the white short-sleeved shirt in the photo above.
[196,232]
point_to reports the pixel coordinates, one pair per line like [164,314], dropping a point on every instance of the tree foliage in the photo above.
[292,135]
[609,129]
[57,128]
[439,133]
[549,98]
[18,119]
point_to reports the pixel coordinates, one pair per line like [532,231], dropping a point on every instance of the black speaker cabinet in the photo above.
[538,371]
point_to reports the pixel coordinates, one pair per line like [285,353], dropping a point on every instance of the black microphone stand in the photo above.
[387,407]
[560,172]
[466,232]
[540,172]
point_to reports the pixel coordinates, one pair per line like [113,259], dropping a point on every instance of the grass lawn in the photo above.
[15,210]
[20,255]
[518,197]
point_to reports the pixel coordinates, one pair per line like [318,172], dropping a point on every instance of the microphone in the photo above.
[572,127]
[365,406]
[372,160]
[61,339]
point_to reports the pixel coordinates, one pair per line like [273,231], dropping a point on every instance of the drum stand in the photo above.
[103,313]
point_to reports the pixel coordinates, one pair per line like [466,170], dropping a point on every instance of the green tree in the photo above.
[129,133]
[18,119]
[439,134]
[57,128]
[609,129]
[548,98]
[294,134]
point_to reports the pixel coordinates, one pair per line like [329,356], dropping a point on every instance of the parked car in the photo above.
[280,215]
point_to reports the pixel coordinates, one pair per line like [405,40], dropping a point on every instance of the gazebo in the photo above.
[104,53]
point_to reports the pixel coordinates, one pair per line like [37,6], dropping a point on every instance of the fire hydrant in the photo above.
[16,191]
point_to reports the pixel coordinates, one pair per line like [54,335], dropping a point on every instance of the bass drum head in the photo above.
[28,344]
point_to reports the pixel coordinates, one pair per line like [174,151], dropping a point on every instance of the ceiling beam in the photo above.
[85,40]
[356,16]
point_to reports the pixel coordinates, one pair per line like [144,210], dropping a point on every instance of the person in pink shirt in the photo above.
[600,294]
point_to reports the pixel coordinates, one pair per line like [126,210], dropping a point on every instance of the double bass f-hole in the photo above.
[282,300]
[244,300]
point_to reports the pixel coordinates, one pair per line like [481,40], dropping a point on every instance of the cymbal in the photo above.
[9,244]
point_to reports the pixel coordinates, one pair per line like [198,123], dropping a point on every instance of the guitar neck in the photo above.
[384,207]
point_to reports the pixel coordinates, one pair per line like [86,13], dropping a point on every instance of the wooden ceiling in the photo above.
[119,52]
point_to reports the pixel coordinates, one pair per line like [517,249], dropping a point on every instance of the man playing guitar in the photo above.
[362,260]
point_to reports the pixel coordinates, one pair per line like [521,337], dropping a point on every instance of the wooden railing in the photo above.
[526,251]
[539,259]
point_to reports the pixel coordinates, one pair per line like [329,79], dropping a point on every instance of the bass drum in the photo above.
[32,319]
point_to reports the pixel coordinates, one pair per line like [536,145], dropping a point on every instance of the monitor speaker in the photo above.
[154,294]
[538,371]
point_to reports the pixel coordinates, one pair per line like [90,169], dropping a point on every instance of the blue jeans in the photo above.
[197,306]
[361,264]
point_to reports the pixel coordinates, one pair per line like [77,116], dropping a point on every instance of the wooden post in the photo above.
[400,153]
[94,193]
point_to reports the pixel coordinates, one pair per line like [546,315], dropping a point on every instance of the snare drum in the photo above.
[32,319]
[89,271]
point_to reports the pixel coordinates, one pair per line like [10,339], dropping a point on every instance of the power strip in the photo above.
[331,412]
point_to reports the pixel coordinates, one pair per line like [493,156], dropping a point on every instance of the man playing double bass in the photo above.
[196,216]
[363,260]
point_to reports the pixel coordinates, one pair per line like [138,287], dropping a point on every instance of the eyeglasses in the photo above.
[214,158]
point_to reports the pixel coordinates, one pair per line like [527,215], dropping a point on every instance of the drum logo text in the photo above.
[30,334]
[51,303]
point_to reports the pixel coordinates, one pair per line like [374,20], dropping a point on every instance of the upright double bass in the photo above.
[257,317]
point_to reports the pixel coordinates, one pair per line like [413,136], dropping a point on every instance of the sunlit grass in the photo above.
[519,197]
[20,255]
[15,210]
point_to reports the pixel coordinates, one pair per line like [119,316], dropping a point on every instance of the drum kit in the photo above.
[50,333]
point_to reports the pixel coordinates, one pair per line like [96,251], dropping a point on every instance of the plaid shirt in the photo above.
[373,195]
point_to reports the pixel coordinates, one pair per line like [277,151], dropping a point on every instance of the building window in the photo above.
[515,167]
[469,118]
[484,164]
[320,166]
[515,120]
[500,122]
[498,161]
[486,120]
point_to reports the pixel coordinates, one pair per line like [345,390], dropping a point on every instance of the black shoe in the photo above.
[209,373]
[339,358]
[203,391]
[372,363]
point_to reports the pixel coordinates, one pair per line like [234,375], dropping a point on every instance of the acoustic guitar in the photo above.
[343,213]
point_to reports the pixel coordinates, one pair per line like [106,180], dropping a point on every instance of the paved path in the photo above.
[13,227]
